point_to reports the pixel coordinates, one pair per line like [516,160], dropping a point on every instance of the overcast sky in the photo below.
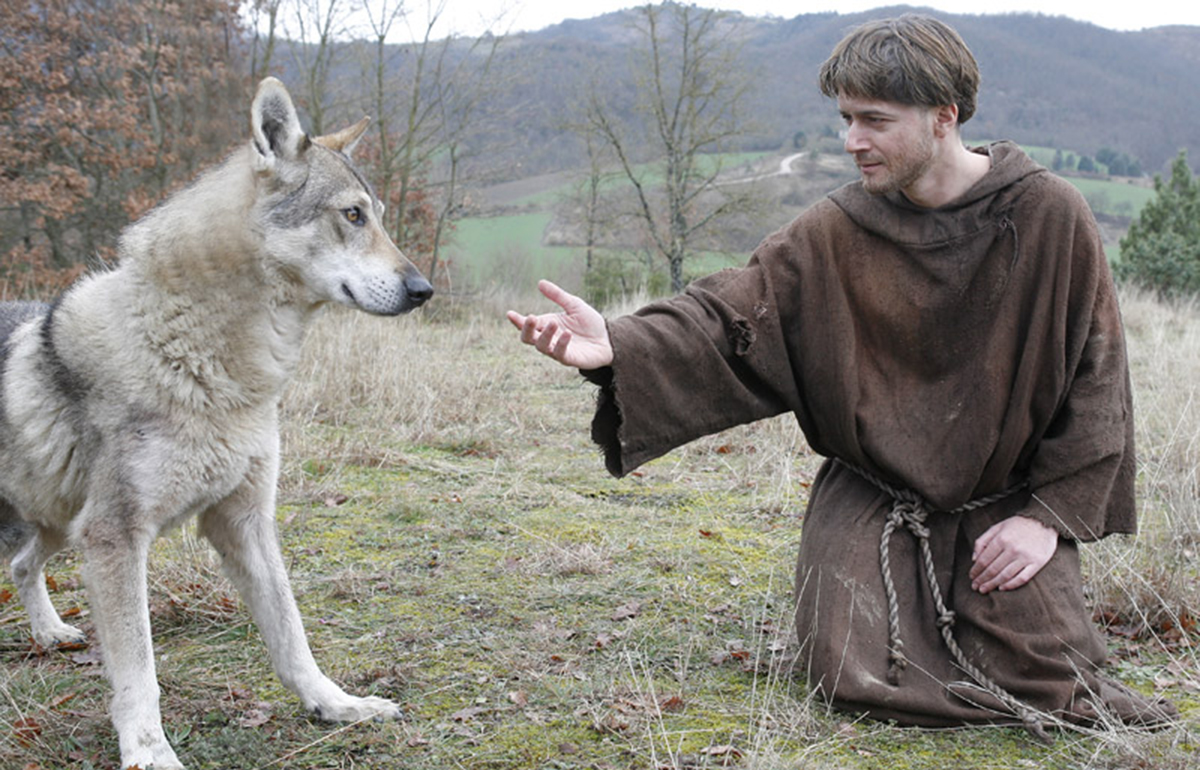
[536,14]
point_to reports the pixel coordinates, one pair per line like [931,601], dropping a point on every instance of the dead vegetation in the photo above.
[455,545]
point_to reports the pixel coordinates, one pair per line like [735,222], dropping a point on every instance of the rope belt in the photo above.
[910,510]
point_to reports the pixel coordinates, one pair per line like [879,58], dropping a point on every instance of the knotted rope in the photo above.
[910,511]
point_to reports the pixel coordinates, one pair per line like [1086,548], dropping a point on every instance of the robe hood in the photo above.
[897,219]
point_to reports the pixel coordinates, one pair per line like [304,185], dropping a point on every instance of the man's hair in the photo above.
[912,59]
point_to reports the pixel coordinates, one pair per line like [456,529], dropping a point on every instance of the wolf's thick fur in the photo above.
[148,394]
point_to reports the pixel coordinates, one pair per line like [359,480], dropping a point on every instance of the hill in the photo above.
[1048,81]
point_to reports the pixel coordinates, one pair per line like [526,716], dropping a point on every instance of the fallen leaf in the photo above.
[27,730]
[60,700]
[611,723]
[463,715]
[627,610]
[256,717]
[671,705]
[88,657]
[721,751]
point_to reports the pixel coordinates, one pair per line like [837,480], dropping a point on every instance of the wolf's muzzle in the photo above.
[417,289]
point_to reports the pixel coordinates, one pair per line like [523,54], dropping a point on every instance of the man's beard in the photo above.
[902,170]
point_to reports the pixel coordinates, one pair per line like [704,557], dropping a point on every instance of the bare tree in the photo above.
[314,32]
[689,94]
[264,21]
[424,95]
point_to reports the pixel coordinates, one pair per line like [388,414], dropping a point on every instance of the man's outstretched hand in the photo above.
[576,337]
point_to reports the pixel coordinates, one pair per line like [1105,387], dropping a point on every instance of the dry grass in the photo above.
[1151,583]
[455,545]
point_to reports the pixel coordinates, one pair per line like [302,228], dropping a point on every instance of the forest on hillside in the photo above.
[103,113]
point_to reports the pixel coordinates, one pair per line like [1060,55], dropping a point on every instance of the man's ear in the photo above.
[344,140]
[278,136]
[945,119]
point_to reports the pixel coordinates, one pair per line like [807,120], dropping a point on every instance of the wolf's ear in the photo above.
[277,132]
[346,139]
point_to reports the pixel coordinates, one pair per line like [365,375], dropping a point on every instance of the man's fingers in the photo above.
[984,561]
[529,330]
[540,338]
[1021,578]
[995,578]
[559,351]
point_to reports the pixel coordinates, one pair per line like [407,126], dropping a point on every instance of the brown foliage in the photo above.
[105,106]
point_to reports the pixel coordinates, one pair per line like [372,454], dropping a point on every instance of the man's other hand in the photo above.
[1010,553]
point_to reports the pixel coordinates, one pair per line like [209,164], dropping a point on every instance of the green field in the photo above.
[508,250]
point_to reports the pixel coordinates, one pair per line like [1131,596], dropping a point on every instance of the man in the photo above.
[946,332]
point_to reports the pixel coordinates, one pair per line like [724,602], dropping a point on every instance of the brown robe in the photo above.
[953,352]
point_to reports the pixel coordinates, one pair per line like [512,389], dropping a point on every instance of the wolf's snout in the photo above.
[417,289]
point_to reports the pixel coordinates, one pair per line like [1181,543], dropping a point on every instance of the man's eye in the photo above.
[354,215]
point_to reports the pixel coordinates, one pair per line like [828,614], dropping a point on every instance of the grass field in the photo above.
[508,249]
[456,546]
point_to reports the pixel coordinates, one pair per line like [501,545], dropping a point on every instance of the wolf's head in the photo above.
[321,221]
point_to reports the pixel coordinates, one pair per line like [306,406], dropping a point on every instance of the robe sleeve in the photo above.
[1083,467]
[703,361]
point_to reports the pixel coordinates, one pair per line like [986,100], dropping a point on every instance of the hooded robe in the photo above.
[955,353]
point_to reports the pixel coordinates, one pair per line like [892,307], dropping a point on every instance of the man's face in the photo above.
[892,144]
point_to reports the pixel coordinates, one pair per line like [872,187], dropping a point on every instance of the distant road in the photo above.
[785,168]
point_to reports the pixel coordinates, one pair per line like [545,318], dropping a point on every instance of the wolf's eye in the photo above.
[354,215]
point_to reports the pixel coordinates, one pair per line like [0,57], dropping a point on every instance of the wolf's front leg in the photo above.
[242,529]
[114,571]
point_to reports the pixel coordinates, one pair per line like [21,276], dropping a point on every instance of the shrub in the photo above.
[1162,248]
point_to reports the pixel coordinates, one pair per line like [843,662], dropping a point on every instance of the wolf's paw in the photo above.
[52,635]
[348,708]
[158,757]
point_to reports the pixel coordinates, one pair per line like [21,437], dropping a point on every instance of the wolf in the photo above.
[147,394]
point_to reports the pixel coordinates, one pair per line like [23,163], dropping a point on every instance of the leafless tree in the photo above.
[424,95]
[689,93]
[264,22]
[313,31]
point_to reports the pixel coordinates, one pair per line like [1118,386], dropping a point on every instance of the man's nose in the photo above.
[855,140]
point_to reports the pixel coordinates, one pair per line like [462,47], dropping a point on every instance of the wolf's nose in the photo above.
[417,289]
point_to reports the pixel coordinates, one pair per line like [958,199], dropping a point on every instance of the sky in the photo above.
[522,15]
